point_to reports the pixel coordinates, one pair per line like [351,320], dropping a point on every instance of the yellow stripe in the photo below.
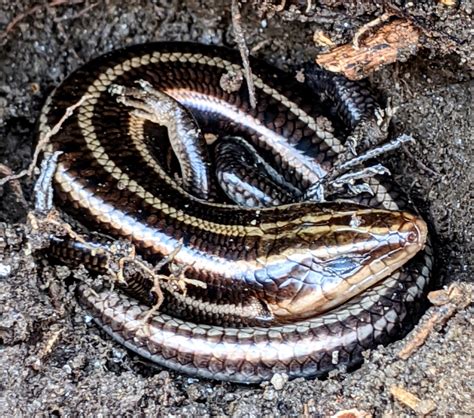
[85,122]
[105,79]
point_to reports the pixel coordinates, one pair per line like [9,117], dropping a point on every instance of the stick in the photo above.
[18,18]
[244,51]
[43,142]
[393,42]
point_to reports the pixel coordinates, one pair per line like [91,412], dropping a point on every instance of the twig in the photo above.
[14,185]
[116,263]
[280,7]
[260,45]
[447,302]
[244,51]
[18,18]
[43,142]
[419,162]
[78,14]
[53,219]
[157,278]
[66,39]
[365,28]
[321,39]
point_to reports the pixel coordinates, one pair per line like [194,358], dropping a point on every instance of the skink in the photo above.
[320,282]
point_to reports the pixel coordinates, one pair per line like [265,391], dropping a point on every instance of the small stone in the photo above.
[195,392]
[67,369]
[269,394]
[278,380]
[231,81]
[5,271]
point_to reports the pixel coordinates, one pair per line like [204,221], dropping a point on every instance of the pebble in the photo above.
[5,271]
[278,380]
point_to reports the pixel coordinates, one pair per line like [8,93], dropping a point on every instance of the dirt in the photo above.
[53,360]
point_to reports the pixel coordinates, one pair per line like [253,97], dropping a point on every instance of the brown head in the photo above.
[335,256]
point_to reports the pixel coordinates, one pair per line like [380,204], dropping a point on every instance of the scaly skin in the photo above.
[286,264]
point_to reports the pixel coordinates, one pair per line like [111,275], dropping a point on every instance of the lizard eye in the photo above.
[343,266]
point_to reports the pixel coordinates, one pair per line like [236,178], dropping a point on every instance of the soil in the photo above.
[54,361]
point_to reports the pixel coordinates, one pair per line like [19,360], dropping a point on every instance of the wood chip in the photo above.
[395,41]
[421,407]
[352,413]
[449,3]
[46,346]
[321,39]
